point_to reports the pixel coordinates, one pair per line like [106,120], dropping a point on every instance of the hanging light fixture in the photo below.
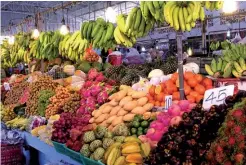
[189,51]
[35,32]
[229,6]
[110,14]
[64,29]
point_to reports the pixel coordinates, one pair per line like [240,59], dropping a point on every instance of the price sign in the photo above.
[217,96]
[168,101]
[6,86]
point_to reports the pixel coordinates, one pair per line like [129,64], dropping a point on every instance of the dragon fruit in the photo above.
[100,77]
[88,84]
[102,97]
[95,90]
[86,93]
[92,74]
[90,100]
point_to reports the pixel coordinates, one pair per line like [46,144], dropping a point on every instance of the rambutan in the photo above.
[230,124]
[231,141]
[241,146]
[240,138]
[219,148]
[237,129]
[228,162]
[239,158]
[237,113]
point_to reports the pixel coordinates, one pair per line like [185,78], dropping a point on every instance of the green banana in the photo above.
[213,65]
[242,63]
[138,19]
[237,67]
[219,64]
[129,19]
[227,70]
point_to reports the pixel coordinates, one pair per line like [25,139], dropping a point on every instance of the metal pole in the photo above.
[180,64]
[204,41]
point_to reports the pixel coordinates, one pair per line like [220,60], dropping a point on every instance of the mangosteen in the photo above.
[229,100]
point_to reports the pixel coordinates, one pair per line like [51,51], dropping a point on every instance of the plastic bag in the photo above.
[35,121]
[76,86]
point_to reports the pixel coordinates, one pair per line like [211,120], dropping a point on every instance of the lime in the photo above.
[144,124]
[134,130]
[145,130]
[136,118]
[135,124]
[140,133]
[140,129]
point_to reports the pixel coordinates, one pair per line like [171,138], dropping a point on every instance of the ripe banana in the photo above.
[209,70]
[176,18]
[181,19]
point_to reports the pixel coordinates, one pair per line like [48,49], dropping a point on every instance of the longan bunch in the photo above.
[43,83]
[73,103]
[57,101]
[15,93]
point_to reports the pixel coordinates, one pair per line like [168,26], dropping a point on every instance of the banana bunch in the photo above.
[18,122]
[225,69]
[213,5]
[130,27]
[235,52]
[73,47]
[98,32]
[23,55]
[23,39]
[183,15]
[214,46]
[153,10]
[131,151]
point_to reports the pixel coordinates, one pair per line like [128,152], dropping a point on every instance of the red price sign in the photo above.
[217,96]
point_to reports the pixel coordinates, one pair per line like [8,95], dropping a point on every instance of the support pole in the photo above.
[180,65]
[204,40]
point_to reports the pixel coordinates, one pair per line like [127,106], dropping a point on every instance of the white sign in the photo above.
[168,101]
[217,96]
[6,86]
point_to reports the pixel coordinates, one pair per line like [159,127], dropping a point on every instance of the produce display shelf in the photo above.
[50,153]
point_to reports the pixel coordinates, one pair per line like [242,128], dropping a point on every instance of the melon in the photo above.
[97,66]
[84,66]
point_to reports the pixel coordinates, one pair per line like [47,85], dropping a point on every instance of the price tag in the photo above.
[168,101]
[6,86]
[217,96]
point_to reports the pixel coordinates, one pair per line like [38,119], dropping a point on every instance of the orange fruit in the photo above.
[198,77]
[192,82]
[157,103]
[160,97]
[176,96]
[158,89]
[163,86]
[209,87]
[171,89]
[191,99]
[162,104]
[200,89]
[152,90]
[187,90]
[149,97]
[152,102]
[194,94]
[199,98]
[169,82]
[175,77]
[207,82]
[188,75]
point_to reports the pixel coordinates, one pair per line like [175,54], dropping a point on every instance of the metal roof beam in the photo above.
[17,12]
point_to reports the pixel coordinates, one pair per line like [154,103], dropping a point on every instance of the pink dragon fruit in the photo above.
[90,107]
[86,93]
[100,77]
[95,90]
[90,100]
[88,84]
[92,74]
[111,82]
[102,97]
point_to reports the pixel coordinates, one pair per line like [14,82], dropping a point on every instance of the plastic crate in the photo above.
[74,155]
[88,161]
[59,147]
[11,154]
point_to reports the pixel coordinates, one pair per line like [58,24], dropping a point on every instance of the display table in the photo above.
[47,153]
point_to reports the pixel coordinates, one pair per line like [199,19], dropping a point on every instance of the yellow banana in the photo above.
[167,13]
[181,20]
[209,70]
[176,18]
[207,5]
[202,14]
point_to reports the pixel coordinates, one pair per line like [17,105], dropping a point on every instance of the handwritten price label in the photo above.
[217,96]
[168,101]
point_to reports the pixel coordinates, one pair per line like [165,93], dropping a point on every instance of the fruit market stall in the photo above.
[77,106]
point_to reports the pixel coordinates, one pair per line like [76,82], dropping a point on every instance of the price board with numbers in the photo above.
[168,101]
[217,96]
